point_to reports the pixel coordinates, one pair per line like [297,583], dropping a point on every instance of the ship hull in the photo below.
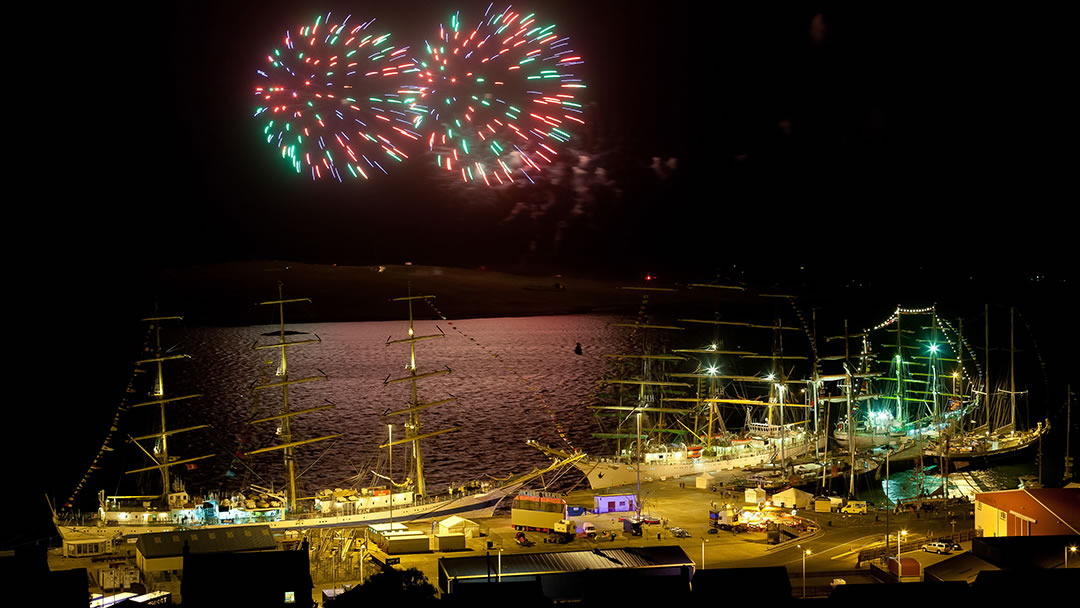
[479,505]
[990,448]
[863,440]
[608,474]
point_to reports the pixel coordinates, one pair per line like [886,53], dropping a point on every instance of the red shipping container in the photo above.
[908,566]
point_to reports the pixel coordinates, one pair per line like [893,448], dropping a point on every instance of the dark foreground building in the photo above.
[609,576]
[265,579]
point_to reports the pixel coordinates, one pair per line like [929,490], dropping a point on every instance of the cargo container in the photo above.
[538,511]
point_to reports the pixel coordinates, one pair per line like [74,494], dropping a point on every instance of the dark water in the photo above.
[500,369]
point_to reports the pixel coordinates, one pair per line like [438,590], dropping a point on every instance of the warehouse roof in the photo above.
[217,540]
[565,561]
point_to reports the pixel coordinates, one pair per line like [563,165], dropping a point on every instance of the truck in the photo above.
[854,506]
[537,511]
[563,532]
[726,518]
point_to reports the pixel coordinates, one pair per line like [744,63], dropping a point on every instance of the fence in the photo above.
[881,552]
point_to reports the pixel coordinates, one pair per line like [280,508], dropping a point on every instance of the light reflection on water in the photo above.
[500,367]
[904,484]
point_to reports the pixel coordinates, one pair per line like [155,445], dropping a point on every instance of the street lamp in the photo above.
[805,552]
[390,446]
[1071,549]
[899,535]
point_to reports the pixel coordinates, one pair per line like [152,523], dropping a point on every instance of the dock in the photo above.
[835,538]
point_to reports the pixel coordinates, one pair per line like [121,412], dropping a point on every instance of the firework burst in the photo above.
[502,97]
[331,100]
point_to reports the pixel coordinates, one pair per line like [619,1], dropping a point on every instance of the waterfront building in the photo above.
[1028,512]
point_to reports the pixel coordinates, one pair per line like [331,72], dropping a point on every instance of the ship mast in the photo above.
[285,417]
[777,385]
[1012,369]
[160,454]
[645,402]
[414,427]
[1068,474]
[850,415]
[986,383]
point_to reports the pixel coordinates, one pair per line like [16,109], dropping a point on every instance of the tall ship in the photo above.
[904,383]
[386,500]
[709,418]
[992,429]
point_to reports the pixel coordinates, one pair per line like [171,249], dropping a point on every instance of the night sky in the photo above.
[903,148]
[841,139]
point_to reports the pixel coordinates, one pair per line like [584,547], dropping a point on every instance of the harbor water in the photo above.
[514,379]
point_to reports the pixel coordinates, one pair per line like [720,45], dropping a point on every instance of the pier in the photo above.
[845,543]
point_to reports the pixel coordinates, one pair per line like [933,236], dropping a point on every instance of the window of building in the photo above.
[290,597]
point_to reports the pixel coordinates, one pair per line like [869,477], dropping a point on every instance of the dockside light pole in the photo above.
[638,467]
[805,552]
[390,446]
[899,535]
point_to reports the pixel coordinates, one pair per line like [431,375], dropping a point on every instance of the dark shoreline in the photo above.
[227,294]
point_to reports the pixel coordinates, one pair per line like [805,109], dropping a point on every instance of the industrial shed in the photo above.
[1028,512]
[568,575]
[164,551]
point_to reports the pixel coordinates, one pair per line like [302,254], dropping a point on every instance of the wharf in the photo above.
[834,538]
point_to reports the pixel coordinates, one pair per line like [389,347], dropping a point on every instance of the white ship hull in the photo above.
[481,504]
[864,440]
[607,473]
[989,446]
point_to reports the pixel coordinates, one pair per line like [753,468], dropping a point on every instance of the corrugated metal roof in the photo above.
[963,567]
[565,561]
[217,540]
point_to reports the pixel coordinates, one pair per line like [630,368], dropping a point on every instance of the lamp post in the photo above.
[899,535]
[703,553]
[363,555]
[638,467]
[390,446]
[805,552]
[1069,550]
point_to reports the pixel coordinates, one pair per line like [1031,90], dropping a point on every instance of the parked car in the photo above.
[937,547]
[679,533]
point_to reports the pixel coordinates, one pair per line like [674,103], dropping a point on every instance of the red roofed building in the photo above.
[1029,512]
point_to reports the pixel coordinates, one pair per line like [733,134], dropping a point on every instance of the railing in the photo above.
[867,555]
[417,501]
